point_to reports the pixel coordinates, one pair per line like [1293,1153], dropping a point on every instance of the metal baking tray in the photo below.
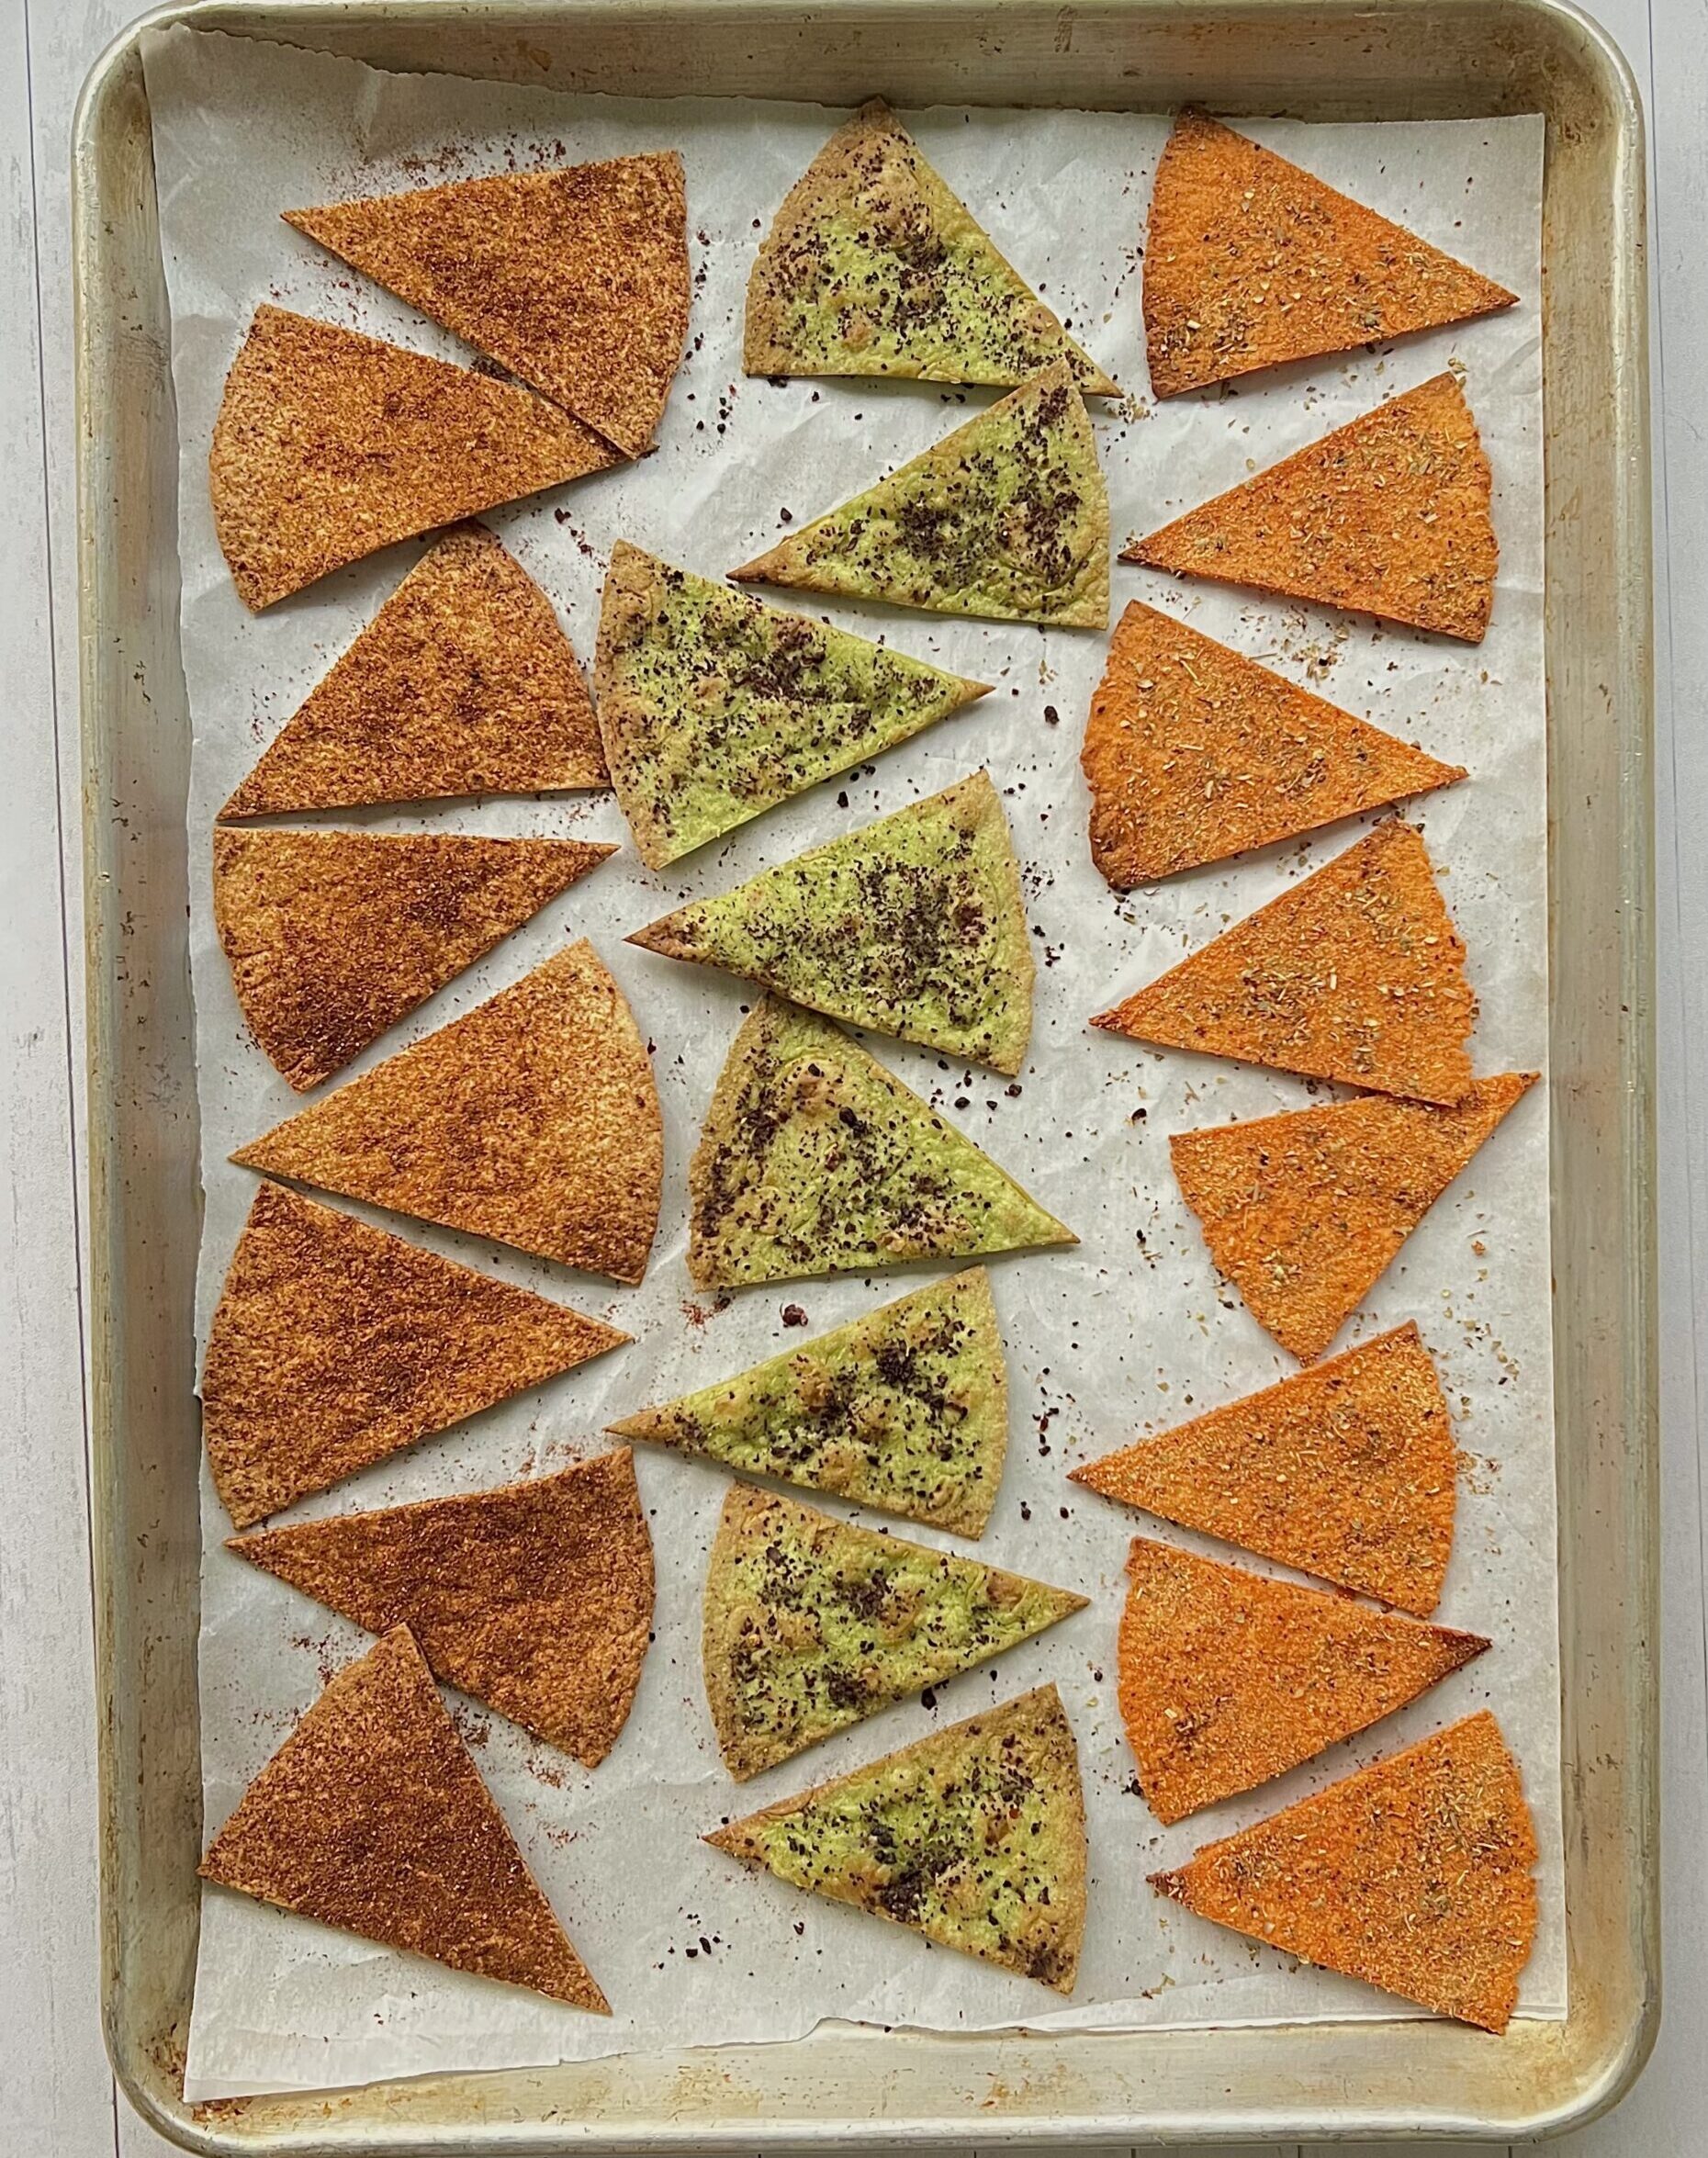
[1322,59]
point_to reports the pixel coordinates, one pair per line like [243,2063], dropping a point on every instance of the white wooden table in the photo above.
[57,2099]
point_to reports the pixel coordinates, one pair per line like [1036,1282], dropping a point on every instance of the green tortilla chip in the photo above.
[812,1624]
[1006,517]
[974,1836]
[914,926]
[905,1410]
[815,1159]
[713,706]
[874,266]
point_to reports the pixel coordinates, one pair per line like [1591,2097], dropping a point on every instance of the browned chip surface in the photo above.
[576,279]
[1193,752]
[330,444]
[1304,1212]
[463,683]
[1388,515]
[333,936]
[1356,973]
[1413,1875]
[536,1599]
[1347,1471]
[1228,1678]
[1250,262]
[335,1343]
[534,1120]
[373,1817]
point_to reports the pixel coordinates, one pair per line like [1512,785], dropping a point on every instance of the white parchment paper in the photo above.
[1123,1335]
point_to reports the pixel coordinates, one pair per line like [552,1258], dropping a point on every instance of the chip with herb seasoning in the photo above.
[905,1409]
[873,266]
[815,1159]
[914,925]
[975,1836]
[715,706]
[1006,517]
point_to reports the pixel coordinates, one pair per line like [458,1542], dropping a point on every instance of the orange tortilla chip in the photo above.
[333,936]
[575,280]
[1228,1678]
[335,1344]
[1304,1212]
[330,444]
[463,683]
[1251,262]
[1356,973]
[372,1817]
[1193,752]
[1414,1875]
[535,1599]
[1348,1472]
[532,1120]
[1387,515]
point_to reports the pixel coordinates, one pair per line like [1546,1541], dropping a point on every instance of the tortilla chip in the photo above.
[373,1817]
[463,683]
[1250,262]
[873,266]
[1414,1875]
[532,1120]
[1304,1212]
[1006,517]
[535,1599]
[333,936]
[975,1836]
[1193,752]
[715,706]
[1387,515]
[815,1159]
[329,445]
[1356,973]
[1348,1472]
[905,1410]
[575,279]
[334,1345]
[812,1624]
[914,925]
[1228,1679]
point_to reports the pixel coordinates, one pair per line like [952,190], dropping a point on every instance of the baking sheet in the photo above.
[1126,1333]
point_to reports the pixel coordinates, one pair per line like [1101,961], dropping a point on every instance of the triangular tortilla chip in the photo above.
[815,1159]
[463,683]
[1250,262]
[914,925]
[1006,517]
[905,1410]
[812,1624]
[1304,1212]
[1228,1678]
[574,279]
[1414,1875]
[1347,1471]
[532,1120]
[335,1343]
[715,706]
[1387,515]
[333,936]
[536,1598]
[873,266]
[1193,752]
[975,1836]
[373,1817]
[1356,973]
[329,445]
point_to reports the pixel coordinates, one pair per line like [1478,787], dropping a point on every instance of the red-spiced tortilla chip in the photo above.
[1357,973]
